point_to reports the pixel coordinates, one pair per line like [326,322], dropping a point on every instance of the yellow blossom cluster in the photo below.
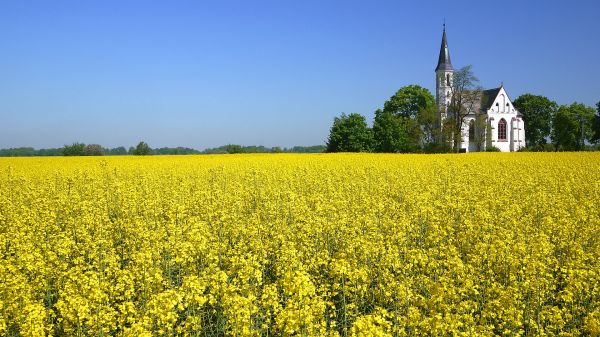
[301,245]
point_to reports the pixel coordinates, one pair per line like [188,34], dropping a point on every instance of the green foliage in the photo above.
[409,101]
[117,151]
[572,126]
[307,149]
[596,125]
[538,112]
[492,149]
[409,122]
[175,151]
[431,136]
[394,133]
[29,151]
[93,150]
[350,133]
[142,149]
[75,149]
[233,148]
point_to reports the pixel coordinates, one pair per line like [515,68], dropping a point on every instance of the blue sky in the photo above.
[206,73]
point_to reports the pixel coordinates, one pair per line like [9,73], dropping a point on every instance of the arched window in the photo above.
[472,130]
[502,129]
[448,79]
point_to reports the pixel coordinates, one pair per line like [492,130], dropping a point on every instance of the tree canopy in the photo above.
[350,133]
[596,125]
[405,120]
[572,126]
[408,101]
[538,113]
[142,149]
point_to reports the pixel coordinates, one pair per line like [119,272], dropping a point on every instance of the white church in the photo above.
[504,121]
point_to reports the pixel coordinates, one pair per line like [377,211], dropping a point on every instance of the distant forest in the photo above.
[80,149]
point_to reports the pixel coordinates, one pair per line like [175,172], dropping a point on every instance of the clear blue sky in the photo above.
[207,73]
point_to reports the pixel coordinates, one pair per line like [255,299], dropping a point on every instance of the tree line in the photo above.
[81,149]
[410,122]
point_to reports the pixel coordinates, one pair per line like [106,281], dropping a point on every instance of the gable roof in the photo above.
[488,97]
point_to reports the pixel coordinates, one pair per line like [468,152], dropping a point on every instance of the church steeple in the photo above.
[444,62]
[444,74]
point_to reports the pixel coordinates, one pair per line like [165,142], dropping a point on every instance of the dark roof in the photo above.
[444,62]
[488,97]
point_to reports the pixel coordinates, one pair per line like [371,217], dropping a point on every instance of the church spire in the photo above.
[444,59]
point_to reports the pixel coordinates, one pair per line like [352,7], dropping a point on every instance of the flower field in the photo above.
[301,245]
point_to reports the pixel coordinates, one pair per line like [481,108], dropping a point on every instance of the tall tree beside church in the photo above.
[408,101]
[397,128]
[596,125]
[538,112]
[572,127]
[466,99]
[350,133]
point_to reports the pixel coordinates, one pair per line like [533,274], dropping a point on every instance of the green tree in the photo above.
[142,149]
[350,133]
[538,112]
[431,132]
[596,125]
[234,148]
[121,150]
[407,122]
[409,101]
[572,126]
[75,149]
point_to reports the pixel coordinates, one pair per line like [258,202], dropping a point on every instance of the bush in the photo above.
[492,149]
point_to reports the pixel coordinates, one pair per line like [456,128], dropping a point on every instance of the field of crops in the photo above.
[301,245]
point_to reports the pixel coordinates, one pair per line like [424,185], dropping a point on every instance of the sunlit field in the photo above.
[301,245]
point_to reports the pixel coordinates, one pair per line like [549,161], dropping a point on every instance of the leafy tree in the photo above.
[350,133]
[407,122]
[431,133]
[175,150]
[409,101]
[93,150]
[466,99]
[234,148]
[596,125]
[142,149]
[393,133]
[572,126]
[538,112]
[117,151]
[75,149]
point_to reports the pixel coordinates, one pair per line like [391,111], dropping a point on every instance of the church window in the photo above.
[472,130]
[448,79]
[502,129]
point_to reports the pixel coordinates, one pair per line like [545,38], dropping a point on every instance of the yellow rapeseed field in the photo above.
[301,245]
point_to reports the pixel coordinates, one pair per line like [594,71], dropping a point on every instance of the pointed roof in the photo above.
[488,97]
[444,62]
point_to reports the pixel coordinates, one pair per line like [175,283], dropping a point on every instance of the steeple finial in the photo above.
[444,62]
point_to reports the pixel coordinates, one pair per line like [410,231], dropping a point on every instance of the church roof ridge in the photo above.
[444,62]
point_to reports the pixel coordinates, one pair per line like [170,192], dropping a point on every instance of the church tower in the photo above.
[444,77]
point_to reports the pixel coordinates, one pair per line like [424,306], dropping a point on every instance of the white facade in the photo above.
[504,124]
